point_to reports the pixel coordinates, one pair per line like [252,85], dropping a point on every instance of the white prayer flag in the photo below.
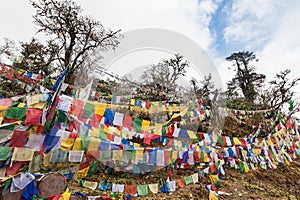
[76,155]
[85,93]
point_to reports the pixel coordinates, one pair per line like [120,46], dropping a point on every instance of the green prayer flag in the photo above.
[15,113]
[9,127]
[188,180]
[93,168]
[164,130]
[217,184]
[105,155]
[220,141]
[128,155]
[61,117]
[47,80]
[85,141]
[142,190]
[102,134]
[88,110]
[241,167]
[81,183]
[7,183]
[291,105]
[15,103]
[137,124]
[201,156]
[4,152]
[50,123]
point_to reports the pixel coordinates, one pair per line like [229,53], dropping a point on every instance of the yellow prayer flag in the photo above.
[77,144]
[95,132]
[52,81]
[3,107]
[136,144]
[191,134]
[94,144]
[66,195]
[117,155]
[269,142]
[33,99]
[179,144]
[236,141]
[212,196]
[145,125]
[66,143]
[22,154]
[139,155]
[246,167]
[213,178]
[206,158]
[132,102]
[106,129]
[40,105]
[82,173]
[174,156]
[21,105]
[256,152]
[99,110]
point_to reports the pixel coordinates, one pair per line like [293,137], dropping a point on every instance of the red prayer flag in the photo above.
[33,116]
[127,121]
[14,169]
[96,119]
[18,138]
[77,107]
[180,183]
[130,189]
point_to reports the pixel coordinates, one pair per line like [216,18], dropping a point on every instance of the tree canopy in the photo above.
[246,78]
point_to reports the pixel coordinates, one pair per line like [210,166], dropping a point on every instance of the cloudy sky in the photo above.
[269,28]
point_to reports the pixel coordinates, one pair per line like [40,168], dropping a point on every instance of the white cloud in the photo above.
[190,18]
[16,20]
[250,23]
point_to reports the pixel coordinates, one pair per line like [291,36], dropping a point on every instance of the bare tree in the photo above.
[165,74]
[280,90]
[205,88]
[76,35]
